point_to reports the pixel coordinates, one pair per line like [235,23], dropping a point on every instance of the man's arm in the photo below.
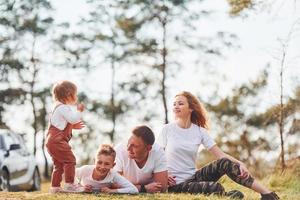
[162,177]
[159,184]
[160,173]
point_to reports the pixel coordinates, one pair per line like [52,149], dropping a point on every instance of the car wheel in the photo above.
[36,181]
[5,185]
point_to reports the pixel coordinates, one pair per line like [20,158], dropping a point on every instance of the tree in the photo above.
[7,97]
[237,6]
[9,63]
[99,44]
[25,26]
[42,122]
[282,114]
[232,114]
[284,109]
[162,31]
[107,35]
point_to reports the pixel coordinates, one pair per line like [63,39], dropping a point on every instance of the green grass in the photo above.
[286,185]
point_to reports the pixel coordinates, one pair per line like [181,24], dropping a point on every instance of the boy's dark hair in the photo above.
[145,133]
[106,149]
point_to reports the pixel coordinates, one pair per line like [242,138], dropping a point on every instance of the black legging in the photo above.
[204,180]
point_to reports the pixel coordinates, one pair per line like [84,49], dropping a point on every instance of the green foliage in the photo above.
[237,6]
[12,94]
[9,96]
[149,25]
[271,115]
[23,25]
[129,26]
[236,121]
[231,116]
[232,105]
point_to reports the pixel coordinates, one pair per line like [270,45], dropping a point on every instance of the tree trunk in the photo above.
[32,84]
[163,69]
[44,124]
[281,117]
[112,101]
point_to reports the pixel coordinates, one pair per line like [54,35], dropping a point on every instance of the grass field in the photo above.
[287,186]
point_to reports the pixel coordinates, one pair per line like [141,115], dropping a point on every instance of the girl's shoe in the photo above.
[54,190]
[73,188]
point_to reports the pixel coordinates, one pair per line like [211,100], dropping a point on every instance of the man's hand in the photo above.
[88,188]
[78,125]
[153,187]
[171,180]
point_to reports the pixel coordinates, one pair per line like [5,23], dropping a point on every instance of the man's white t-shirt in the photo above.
[181,147]
[64,114]
[84,177]
[155,163]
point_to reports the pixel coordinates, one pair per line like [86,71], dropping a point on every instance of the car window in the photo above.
[8,140]
[21,142]
[2,145]
[11,139]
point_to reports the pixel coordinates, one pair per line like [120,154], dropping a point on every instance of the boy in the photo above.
[100,177]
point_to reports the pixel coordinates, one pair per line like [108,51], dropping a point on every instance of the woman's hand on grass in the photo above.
[244,172]
[171,180]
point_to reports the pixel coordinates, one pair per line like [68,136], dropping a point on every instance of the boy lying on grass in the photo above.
[100,177]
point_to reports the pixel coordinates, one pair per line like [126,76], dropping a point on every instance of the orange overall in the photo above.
[58,147]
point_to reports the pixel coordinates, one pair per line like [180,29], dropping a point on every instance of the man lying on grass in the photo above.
[143,162]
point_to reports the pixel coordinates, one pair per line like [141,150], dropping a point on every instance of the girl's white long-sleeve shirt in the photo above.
[84,177]
[64,114]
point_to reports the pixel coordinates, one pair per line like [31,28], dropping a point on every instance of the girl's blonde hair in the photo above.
[61,91]
[199,114]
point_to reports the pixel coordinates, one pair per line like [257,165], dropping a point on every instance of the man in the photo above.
[143,162]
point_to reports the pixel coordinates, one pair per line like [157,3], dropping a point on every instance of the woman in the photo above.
[181,141]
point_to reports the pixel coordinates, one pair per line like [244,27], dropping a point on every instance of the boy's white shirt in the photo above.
[64,114]
[84,177]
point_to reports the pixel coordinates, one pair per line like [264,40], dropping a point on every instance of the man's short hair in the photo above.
[145,133]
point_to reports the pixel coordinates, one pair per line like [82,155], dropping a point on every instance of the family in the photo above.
[143,164]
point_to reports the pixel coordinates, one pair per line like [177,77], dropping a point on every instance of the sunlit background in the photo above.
[117,52]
